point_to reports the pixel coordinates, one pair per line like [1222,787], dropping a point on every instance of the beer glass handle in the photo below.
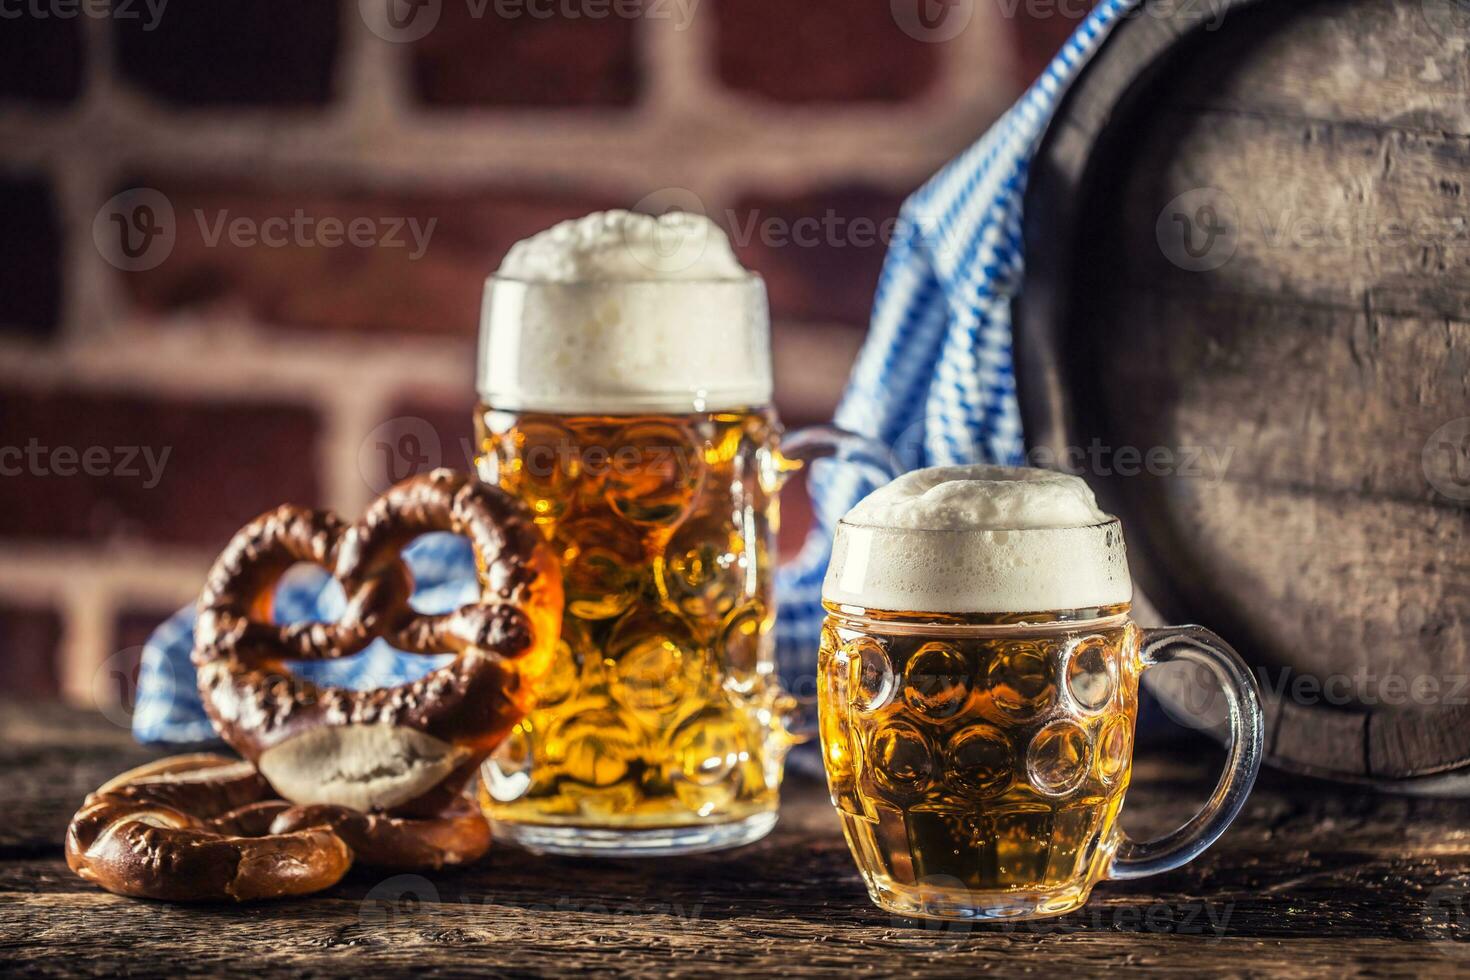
[872,458]
[1197,645]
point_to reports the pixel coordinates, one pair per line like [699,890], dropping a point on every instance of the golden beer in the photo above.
[978,755]
[624,370]
[662,709]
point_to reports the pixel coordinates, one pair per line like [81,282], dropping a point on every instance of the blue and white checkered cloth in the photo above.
[933,381]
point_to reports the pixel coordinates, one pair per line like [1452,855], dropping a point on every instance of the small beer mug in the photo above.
[625,385]
[978,688]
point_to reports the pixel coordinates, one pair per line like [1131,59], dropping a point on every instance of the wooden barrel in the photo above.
[1248,250]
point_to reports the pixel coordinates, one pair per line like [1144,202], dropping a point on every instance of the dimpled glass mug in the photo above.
[978,688]
[625,386]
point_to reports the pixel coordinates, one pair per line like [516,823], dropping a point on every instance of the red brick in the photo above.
[820,252]
[245,52]
[820,51]
[225,463]
[525,60]
[31,640]
[41,58]
[347,287]
[30,254]
[1041,30]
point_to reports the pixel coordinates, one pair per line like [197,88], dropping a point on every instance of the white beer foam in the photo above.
[979,539]
[621,312]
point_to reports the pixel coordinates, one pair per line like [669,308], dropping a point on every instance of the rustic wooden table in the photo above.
[1312,879]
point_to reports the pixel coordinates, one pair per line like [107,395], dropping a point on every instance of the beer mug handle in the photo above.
[1197,645]
[873,460]
[804,446]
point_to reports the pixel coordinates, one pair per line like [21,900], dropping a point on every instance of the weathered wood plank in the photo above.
[1346,213]
[1255,242]
[1388,64]
[1312,877]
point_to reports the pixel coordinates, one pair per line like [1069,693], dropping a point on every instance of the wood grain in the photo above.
[1311,355]
[1312,878]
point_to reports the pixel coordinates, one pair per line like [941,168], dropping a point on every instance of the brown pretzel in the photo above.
[408,750]
[148,834]
[460,835]
[203,828]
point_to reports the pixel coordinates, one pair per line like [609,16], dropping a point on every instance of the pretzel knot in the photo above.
[407,749]
[204,828]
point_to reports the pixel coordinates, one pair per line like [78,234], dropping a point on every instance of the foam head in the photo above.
[979,539]
[620,312]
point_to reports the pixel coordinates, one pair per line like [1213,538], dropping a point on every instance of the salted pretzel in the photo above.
[407,750]
[204,828]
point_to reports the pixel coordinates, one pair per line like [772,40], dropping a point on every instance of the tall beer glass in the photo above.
[635,418]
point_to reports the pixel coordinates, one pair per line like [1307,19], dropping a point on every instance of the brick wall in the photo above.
[242,242]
